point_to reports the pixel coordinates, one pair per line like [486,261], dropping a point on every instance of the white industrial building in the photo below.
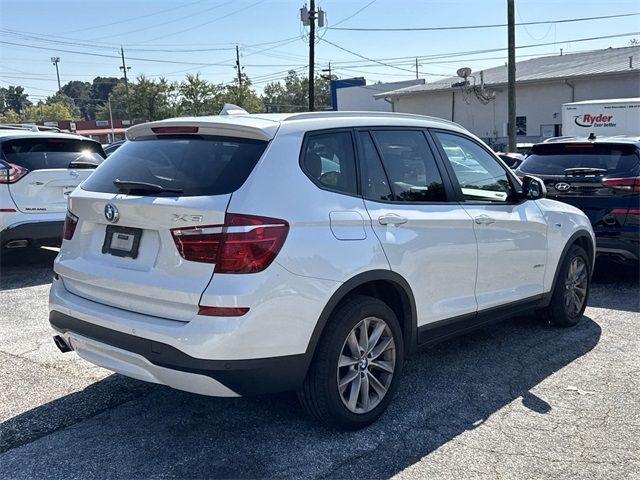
[367,97]
[479,103]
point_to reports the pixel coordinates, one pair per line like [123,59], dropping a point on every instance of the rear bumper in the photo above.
[622,245]
[157,362]
[36,233]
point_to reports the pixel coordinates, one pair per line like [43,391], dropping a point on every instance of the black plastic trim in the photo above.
[38,233]
[439,331]
[245,377]
[409,323]
[571,241]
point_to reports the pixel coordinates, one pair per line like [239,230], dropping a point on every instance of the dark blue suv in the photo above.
[600,176]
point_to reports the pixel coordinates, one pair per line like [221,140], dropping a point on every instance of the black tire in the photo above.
[320,395]
[558,312]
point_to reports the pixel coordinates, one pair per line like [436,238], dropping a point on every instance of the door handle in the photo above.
[484,220]
[392,219]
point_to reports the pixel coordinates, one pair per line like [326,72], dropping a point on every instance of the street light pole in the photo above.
[55,61]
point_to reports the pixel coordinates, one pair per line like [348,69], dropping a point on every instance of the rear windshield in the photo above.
[553,159]
[44,153]
[185,165]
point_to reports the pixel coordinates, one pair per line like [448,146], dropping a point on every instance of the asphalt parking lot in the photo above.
[516,400]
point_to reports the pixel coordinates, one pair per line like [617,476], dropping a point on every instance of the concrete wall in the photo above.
[540,102]
[361,97]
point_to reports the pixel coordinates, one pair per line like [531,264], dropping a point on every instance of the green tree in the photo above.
[47,112]
[291,95]
[149,98]
[9,116]
[197,95]
[118,104]
[243,96]
[67,101]
[14,98]
[80,93]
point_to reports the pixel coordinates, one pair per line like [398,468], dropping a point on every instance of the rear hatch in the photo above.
[124,251]
[50,168]
[601,179]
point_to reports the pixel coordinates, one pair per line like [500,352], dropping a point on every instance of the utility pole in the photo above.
[113,133]
[238,67]
[124,69]
[312,45]
[416,68]
[55,61]
[511,73]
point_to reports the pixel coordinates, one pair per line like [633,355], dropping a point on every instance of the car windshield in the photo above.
[555,159]
[173,165]
[48,153]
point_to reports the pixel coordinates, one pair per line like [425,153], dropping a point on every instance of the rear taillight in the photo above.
[70,224]
[13,174]
[630,184]
[244,244]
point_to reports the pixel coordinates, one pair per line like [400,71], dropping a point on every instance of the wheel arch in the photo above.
[583,240]
[386,285]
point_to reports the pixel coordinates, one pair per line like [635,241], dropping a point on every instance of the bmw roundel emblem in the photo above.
[111,213]
[562,186]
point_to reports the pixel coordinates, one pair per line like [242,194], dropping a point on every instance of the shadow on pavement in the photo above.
[445,391]
[626,281]
[22,268]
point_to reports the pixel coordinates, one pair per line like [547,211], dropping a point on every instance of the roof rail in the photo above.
[348,114]
[29,127]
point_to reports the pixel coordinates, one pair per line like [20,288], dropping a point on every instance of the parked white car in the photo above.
[38,171]
[243,254]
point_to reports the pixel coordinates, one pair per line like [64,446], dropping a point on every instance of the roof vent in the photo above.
[231,109]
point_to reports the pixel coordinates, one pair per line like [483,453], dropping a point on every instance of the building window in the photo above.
[521,125]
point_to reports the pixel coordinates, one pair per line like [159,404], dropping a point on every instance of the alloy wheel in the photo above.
[575,292]
[366,365]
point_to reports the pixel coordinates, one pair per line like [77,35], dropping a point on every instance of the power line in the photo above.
[355,13]
[205,23]
[470,27]
[148,27]
[131,19]
[379,62]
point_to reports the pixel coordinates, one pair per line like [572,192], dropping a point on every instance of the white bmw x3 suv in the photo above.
[242,254]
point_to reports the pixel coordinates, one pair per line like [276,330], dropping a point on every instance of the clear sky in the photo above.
[170,38]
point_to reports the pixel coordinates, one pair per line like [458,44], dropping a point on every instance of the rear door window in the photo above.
[52,153]
[329,160]
[409,164]
[588,158]
[183,165]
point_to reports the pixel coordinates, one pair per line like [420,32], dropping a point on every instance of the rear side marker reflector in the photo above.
[169,130]
[222,311]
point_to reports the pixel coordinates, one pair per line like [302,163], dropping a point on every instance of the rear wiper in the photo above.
[130,186]
[81,164]
[585,170]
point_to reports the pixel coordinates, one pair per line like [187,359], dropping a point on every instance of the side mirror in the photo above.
[533,188]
